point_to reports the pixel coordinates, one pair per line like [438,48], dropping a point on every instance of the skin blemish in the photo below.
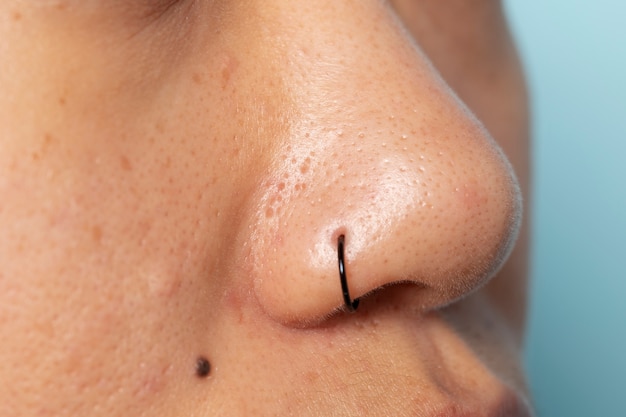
[203,367]
[125,164]
[96,234]
[44,148]
[229,66]
[197,78]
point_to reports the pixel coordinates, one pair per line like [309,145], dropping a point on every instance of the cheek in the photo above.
[73,344]
[89,317]
[102,238]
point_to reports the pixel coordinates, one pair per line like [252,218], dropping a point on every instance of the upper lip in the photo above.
[505,403]
[453,379]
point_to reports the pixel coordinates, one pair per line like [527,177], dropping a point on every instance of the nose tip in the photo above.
[388,157]
[441,214]
[447,229]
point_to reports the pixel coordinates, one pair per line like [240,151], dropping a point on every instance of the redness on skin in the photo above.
[203,367]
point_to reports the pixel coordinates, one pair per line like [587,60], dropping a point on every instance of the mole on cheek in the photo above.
[203,367]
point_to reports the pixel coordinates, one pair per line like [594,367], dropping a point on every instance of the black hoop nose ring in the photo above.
[351,305]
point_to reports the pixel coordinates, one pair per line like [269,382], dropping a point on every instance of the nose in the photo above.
[379,150]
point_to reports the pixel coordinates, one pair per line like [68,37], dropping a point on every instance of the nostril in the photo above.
[337,234]
[406,294]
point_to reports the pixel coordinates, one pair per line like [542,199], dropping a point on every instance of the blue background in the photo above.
[575,56]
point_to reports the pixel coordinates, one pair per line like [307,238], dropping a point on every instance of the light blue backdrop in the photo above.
[575,55]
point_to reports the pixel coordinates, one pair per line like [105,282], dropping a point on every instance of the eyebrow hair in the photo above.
[140,8]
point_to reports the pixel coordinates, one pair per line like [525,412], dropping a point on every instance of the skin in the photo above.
[174,176]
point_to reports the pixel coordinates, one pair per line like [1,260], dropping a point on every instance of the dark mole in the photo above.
[203,367]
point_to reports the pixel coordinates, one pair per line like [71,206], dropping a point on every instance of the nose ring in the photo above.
[351,305]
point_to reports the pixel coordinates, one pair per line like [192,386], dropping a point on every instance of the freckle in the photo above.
[312,376]
[45,147]
[62,101]
[96,234]
[225,77]
[125,163]
[203,367]
[197,78]
[229,66]
[17,16]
